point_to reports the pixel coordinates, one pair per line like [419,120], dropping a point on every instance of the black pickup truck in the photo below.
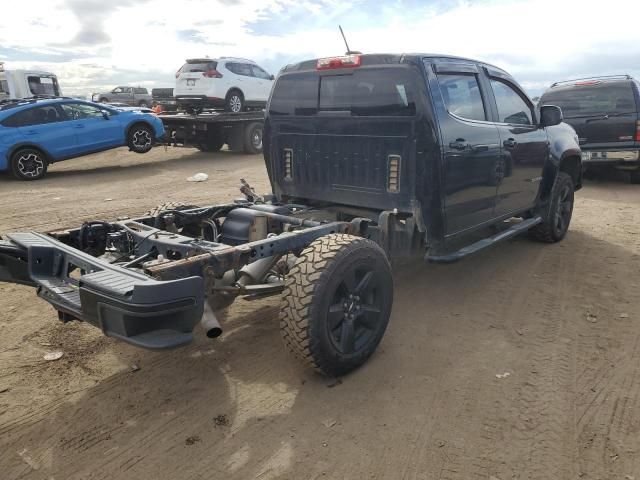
[370,158]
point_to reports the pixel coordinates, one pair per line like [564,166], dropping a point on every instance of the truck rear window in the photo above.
[371,92]
[43,85]
[586,100]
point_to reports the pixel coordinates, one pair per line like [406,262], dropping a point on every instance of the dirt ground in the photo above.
[522,362]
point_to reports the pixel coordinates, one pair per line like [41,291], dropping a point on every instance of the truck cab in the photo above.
[15,84]
[449,144]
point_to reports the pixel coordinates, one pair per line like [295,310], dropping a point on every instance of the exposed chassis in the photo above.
[146,281]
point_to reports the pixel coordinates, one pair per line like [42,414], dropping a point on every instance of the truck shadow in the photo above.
[242,408]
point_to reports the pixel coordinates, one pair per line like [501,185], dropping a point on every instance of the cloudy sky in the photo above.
[96,44]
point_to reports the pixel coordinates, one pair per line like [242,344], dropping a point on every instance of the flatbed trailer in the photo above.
[210,130]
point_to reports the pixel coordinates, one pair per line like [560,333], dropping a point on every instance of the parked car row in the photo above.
[604,111]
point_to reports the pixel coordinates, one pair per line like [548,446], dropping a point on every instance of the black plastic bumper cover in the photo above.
[123,303]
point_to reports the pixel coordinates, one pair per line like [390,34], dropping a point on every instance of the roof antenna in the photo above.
[349,51]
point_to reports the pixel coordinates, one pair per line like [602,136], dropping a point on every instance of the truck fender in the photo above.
[564,156]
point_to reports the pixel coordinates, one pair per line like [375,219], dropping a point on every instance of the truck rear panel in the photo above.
[345,136]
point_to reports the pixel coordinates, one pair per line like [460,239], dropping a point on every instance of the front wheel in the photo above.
[336,303]
[556,219]
[28,164]
[140,139]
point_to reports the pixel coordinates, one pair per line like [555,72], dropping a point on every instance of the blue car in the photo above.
[35,133]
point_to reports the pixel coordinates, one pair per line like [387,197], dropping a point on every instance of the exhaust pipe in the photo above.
[210,323]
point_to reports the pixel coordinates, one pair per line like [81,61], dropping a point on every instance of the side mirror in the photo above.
[105,114]
[550,115]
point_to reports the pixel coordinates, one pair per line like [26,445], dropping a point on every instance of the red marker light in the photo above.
[347,61]
[212,74]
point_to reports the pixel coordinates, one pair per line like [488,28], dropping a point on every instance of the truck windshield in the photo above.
[43,85]
[600,99]
[370,92]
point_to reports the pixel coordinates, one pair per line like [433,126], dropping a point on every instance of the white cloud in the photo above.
[539,41]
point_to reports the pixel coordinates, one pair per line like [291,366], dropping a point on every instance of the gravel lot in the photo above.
[522,362]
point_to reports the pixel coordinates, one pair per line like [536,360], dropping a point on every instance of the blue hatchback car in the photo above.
[35,133]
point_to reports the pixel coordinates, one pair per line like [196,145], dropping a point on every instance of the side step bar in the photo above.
[511,232]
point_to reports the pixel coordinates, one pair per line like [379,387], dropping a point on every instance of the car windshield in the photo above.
[43,85]
[597,99]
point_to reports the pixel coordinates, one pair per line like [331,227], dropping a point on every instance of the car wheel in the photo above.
[336,303]
[143,104]
[555,221]
[29,164]
[253,138]
[234,102]
[140,139]
[104,100]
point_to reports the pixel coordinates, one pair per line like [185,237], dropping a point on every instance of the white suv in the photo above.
[233,83]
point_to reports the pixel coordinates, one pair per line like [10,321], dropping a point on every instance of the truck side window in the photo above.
[511,106]
[461,94]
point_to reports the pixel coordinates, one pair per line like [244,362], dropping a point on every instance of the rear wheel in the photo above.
[143,104]
[28,164]
[140,138]
[234,101]
[558,215]
[336,303]
[253,138]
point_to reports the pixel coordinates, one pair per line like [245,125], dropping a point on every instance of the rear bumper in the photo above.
[200,100]
[626,157]
[124,304]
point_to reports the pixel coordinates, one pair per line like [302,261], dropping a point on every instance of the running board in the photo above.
[511,232]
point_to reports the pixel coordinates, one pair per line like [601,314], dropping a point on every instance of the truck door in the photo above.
[470,144]
[524,145]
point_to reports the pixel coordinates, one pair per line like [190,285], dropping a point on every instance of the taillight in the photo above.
[638,131]
[347,61]
[587,83]
[212,74]
[178,73]
[393,180]
[288,164]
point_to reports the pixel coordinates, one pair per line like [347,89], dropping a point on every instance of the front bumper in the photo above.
[124,304]
[611,157]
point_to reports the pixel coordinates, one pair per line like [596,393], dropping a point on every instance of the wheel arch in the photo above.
[48,157]
[136,123]
[571,163]
[231,89]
